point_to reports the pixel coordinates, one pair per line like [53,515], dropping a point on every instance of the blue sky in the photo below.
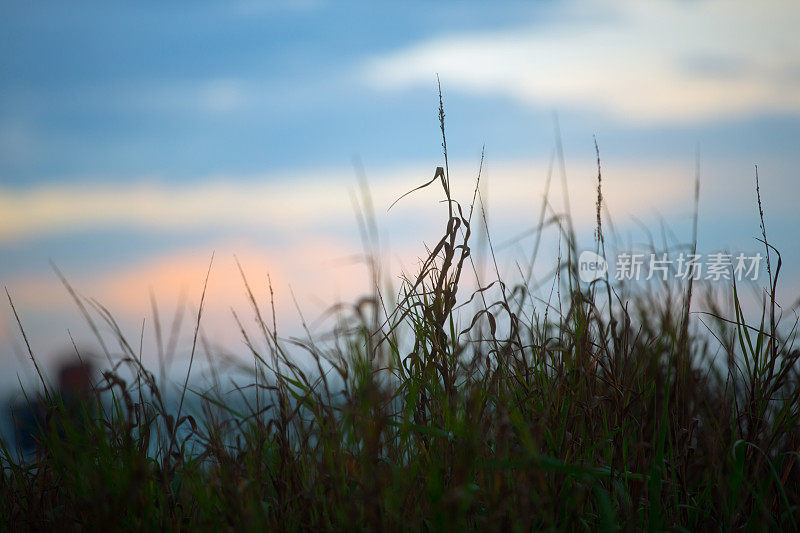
[113,93]
[191,91]
[137,138]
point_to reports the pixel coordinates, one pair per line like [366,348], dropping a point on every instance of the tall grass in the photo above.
[431,407]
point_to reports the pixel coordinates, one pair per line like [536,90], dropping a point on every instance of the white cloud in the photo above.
[641,61]
[302,203]
[154,206]
[224,96]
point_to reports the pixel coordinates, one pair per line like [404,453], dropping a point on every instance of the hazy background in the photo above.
[136,140]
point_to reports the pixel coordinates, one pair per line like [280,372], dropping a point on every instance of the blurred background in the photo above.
[136,140]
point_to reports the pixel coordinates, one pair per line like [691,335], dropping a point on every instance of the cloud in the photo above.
[306,266]
[256,203]
[661,61]
[317,273]
[298,205]
[314,270]
[224,96]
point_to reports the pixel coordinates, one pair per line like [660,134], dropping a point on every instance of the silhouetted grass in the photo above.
[431,409]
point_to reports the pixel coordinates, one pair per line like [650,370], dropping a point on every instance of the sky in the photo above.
[138,139]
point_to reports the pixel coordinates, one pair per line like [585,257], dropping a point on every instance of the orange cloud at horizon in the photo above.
[318,273]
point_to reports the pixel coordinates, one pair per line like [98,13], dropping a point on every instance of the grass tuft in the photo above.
[432,407]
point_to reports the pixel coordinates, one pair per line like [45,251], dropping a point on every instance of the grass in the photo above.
[436,408]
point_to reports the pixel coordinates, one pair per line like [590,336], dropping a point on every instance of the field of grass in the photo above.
[435,407]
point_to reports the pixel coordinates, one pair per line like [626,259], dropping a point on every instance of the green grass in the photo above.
[432,408]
